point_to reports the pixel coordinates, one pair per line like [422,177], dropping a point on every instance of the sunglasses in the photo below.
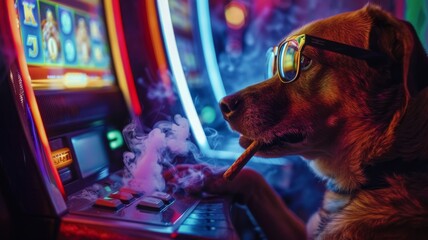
[287,60]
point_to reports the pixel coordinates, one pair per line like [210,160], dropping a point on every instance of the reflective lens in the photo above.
[285,59]
[270,62]
[289,60]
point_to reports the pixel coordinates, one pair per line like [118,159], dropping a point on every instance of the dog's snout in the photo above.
[229,105]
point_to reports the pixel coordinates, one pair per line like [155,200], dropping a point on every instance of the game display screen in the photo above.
[65,44]
[90,152]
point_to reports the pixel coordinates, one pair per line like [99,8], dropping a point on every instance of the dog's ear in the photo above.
[398,39]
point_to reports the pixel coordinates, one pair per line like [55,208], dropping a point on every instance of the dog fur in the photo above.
[357,123]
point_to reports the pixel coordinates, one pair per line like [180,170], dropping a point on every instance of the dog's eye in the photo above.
[305,62]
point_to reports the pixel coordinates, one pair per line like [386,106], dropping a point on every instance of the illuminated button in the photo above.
[108,203]
[62,158]
[165,197]
[115,138]
[122,196]
[132,191]
[151,203]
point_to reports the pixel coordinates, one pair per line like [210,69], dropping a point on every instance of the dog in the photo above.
[361,123]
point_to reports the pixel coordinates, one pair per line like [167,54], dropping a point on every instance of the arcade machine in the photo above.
[66,93]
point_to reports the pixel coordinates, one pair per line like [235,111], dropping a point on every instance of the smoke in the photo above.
[213,137]
[166,144]
[159,92]
[155,86]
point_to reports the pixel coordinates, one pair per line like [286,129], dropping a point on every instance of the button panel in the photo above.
[165,197]
[109,199]
[207,220]
[132,191]
[109,203]
[151,203]
[124,197]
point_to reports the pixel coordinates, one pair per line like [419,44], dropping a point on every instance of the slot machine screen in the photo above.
[71,69]
[65,44]
[90,153]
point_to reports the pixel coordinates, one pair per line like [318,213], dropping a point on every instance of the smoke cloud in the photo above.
[151,153]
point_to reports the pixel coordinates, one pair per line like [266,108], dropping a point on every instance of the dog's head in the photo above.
[339,107]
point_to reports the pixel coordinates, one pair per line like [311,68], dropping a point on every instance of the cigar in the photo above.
[236,167]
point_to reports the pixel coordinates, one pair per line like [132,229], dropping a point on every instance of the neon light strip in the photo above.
[178,73]
[203,12]
[120,55]
[157,43]
[31,98]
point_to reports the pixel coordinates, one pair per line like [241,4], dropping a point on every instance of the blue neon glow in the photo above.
[203,12]
[178,75]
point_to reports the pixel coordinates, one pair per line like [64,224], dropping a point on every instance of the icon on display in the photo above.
[50,34]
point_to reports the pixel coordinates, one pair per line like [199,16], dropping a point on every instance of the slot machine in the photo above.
[67,92]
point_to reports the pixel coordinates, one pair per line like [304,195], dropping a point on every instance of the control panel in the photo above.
[172,215]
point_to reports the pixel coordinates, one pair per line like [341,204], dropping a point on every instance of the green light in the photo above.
[115,139]
[107,188]
[417,13]
[208,114]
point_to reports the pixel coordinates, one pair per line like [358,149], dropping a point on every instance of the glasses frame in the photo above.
[321,43]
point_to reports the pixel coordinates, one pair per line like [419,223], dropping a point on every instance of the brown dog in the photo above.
[362,120]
